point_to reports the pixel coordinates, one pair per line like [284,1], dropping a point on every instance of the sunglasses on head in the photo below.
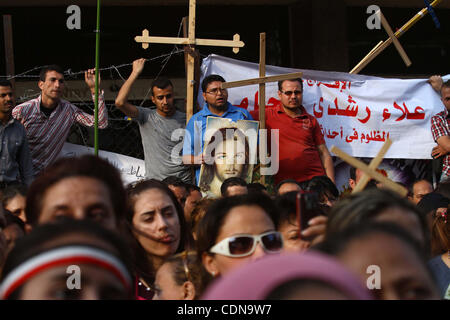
[245,244]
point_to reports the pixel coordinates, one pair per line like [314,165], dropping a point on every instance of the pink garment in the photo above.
[256,280]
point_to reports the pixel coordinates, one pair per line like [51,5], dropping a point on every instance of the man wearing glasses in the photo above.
[216,105]
[302,150]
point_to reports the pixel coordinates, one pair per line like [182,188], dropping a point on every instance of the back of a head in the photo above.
[286,205]
[186,268]
[85,166]
[366,206]
[390,248]
[230,182]
[440,233]
[324,187]
[65,237]
[286,181]
[174,181]
[256,187]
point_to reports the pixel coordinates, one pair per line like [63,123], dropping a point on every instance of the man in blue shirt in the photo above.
[216,105]
[15,157]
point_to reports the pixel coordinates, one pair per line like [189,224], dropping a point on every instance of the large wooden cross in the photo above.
[145,39]
[261,81]
[392,38]
[370,171]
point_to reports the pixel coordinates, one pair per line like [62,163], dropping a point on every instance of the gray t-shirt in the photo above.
[163,144]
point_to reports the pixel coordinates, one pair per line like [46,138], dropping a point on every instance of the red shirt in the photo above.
[298,140]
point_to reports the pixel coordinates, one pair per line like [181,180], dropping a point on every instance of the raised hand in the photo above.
[138,66]
[89,78]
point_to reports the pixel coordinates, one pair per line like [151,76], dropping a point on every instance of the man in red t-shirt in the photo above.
[302,150]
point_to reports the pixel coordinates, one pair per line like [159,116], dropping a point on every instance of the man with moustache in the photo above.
[48,118]
[15,158]
[302,150]
[157,126]
[216,105]
[440,126]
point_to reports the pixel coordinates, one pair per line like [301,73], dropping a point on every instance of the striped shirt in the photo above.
[46,135]
[440,126]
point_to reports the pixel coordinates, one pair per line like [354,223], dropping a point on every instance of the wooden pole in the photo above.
[397,44]
[372,173]
[373,166]
[262,89]
[9,49]
[375,52]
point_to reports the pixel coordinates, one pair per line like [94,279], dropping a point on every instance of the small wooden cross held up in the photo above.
[370,170]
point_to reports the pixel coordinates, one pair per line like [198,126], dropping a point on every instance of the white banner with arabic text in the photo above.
[356,112]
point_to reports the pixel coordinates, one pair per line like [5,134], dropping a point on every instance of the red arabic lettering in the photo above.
[386,114]
[320,113]
[416,115]
[366,118]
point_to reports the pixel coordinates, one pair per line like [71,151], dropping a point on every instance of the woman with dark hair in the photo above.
[226,155]
[87,187]
[235,231]
[156,228]
[68,260]
[378,205]
[440,251]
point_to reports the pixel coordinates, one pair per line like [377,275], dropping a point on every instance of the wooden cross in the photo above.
[381,46]
[370,170]
[261,81]
[145,39]
[384,44]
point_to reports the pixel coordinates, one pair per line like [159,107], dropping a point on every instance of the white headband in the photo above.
[63,255]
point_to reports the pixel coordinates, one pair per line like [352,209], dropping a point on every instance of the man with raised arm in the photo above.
[157,126]
[48,118]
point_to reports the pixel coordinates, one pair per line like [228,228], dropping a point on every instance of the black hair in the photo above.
[5,83]
[278,186]
[280,83]
[256,187]
[85,166]
[323,186]
[191,187]
[286,205]
[411,186]
[40,240]
[359,208]
[209,227]
[446,84]
[338,242]
[211,78]
[161,83]
[13,219]
[230,182]
[174,181]
[52,67]
[11,191]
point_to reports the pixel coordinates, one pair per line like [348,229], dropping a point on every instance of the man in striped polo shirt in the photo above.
[48,118]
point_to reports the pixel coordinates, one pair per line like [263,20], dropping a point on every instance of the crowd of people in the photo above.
[71,229]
